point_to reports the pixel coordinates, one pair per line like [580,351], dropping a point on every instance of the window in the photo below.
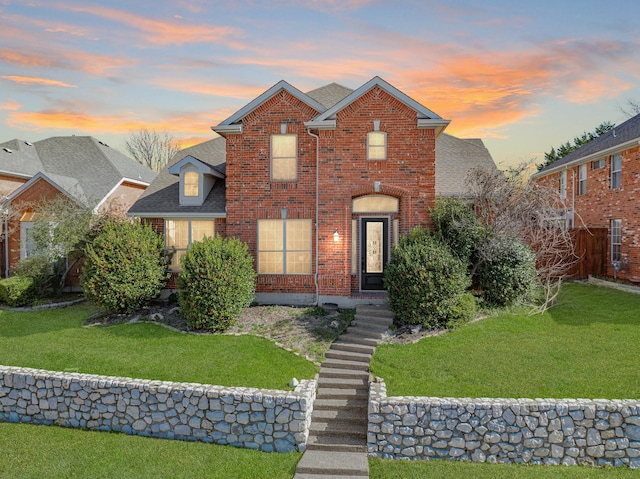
[616,240]
[284,246]
[616,171]
[582,180]
[597,164]
[179,234]
[284,157]
[376,145]
[375,204]
[191,183]
[563,184]
[27,240]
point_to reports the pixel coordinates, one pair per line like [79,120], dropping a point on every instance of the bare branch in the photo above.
[151,148]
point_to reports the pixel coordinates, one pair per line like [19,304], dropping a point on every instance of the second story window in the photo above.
[582,180]
[191,183]
[563,184]
[616,171]
[284,157]
[376,145]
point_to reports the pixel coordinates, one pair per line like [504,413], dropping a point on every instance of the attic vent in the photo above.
[28,143]
[8,150]
[103,143]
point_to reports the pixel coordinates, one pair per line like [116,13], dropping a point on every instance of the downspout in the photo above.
[5,214]
[315,276]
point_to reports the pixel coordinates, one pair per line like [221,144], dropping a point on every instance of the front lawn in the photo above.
[585,347]
[56,340]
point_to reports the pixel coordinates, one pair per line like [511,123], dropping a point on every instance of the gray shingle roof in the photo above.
[85,168]
[621,134]
[330,94]
[163,195]
[454,158]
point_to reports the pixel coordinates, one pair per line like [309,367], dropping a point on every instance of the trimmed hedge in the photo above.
[18,291]
[216,282]
[427,284]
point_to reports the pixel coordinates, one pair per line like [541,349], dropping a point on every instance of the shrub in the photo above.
[457,226]
[18,291]
[426,283]
[124,266]
[509,274]
[217,280]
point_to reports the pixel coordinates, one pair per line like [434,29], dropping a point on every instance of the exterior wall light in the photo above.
[336,236]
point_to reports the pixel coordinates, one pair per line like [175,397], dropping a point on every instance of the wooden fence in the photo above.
[590,246]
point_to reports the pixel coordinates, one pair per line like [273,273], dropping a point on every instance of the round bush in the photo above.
[510,273]
[216,282]
[457,226]
[124,267]
[427,284]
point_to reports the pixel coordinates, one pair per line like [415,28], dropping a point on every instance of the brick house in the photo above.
[78,167]
[600,183]
[320,185]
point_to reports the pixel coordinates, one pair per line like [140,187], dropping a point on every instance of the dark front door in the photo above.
[374,252]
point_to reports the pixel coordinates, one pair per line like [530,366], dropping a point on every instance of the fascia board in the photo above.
[437,124]
[321,125]
[202,167]
[173,215]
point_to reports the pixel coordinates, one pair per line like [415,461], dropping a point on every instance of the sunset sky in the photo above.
[524,76]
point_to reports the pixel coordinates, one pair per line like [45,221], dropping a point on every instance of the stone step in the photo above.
[358,415]
[352,404]
[336,443]
[368,319]
[368,332]
[339,428]
[375,313]
[343,383]
[357,339]
[345,393]
[345,364]
[342,345]
[329,372]
[348,356]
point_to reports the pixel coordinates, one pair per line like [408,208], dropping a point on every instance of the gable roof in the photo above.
[615,140]
[162,198]
[455,157]
[330,94]
[80,166]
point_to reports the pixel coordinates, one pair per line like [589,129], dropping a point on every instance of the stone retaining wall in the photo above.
[541,431]
[266,420]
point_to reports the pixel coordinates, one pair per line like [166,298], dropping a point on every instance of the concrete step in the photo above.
[348,356]
[341,345]
[324,476]
[352,404]
[345,364]
[339,428]
[348,415]
[328,372]
[344,463]
[342,383]
[379,320]
[368,332]
[357,339]
[374,313]
[344,393]
[336,443]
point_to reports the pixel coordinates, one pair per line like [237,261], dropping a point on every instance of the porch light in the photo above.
[336,236]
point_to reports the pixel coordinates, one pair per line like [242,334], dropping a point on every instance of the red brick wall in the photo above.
[601,204]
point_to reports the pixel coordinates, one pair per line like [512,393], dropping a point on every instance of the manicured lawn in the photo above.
[56,340]
[585,347]
[385,469]
[53,452]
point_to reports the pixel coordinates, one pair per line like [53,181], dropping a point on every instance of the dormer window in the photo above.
[191,183]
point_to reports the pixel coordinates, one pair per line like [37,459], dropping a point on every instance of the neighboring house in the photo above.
[600,183]
[79,167]
[320,185]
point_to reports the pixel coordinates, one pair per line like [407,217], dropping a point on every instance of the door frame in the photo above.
[362,220]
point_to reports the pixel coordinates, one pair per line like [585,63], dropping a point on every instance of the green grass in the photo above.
[53,452]
[441,469]
[56,340]
[585,347]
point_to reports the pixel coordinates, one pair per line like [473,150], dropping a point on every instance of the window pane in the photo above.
[376,145]
[270,235]
[175,260]
[299,262]
[283,157]
[202,229]
[298,235]
[270,263]
[191,183]
[283,169]
[177,234]
[375,204]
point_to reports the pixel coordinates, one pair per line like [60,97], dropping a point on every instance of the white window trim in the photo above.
[582,179]
[616,224]
[563,184]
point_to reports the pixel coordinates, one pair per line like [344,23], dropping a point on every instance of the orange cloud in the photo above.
[36,81]
[10,105]
[65,60]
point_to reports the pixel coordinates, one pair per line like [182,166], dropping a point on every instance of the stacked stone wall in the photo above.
[533,431]
[266,420]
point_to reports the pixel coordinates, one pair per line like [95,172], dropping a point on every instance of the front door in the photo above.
[374,252]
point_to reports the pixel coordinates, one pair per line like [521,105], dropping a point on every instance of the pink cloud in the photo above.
[22,80]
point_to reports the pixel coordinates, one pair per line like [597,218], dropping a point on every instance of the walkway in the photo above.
[337,445]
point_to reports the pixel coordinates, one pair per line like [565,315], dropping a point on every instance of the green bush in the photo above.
[426,283]
[124,267]
[457,226]
[217,280]
[510,273]
[18,291]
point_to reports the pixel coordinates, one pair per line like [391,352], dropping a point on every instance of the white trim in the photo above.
[116,186]
[173,215]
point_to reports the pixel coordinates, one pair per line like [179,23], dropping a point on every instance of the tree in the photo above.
[563,150]
[631,109]
[151,148]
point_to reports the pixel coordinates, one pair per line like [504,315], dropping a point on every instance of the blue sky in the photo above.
[523,76]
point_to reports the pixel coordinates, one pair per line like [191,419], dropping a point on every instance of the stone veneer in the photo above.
[542,431]
[267,420]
